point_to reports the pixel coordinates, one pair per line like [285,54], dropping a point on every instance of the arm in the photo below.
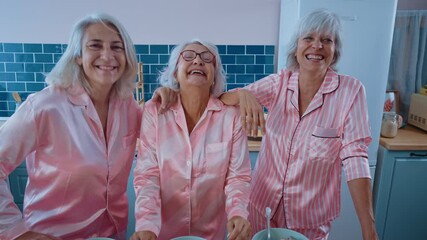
[166,97]
[147,179]
[361,193]
[237,186]
[252,113]
[254,97]
[354,153]
[19,138]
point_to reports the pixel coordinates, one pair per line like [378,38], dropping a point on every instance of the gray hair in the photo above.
[167,75]
[67,72]
[319,21]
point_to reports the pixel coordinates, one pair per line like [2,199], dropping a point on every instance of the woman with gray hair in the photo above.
[78,136]
[317,125]
[193,171]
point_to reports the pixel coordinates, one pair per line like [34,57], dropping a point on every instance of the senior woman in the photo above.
[78,136]
[192,176]
[317,124]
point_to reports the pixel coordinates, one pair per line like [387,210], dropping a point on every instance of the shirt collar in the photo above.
[78,96]
[330,83]
[214,104]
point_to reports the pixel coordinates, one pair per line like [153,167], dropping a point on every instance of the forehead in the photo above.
[101,31]
[320,34]
[196,47]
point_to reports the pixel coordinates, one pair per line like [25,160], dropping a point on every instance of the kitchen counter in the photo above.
[408,138]
[254,146]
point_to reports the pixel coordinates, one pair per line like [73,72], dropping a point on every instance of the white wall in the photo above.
[243,22]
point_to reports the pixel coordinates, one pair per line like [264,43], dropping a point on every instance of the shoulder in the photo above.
[349,81]
[151,107]
[228,112]
[47,96]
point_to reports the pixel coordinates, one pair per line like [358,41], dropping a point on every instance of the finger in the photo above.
[232,235]
[155,97]
[255,122]
[262,122]
[243,118]
[249,125]
[163,99]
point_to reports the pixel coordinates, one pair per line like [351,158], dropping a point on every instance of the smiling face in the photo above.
[103,56]
[196,72]
[315,52]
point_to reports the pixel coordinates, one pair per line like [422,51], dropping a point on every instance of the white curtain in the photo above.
[408,63]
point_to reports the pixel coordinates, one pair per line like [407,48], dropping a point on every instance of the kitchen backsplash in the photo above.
[23,65]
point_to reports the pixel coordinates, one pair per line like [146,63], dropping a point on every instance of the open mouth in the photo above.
[107,68]
[314,57]
[197,72]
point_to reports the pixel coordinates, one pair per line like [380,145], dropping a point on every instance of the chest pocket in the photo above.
[324,143]
[216,159]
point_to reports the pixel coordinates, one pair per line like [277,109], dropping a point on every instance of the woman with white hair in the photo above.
[193,171]
[317,125]
[78,136]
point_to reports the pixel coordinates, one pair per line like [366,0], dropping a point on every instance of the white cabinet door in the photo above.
[347,226]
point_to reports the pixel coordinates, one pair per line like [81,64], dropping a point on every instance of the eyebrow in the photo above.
[99,40]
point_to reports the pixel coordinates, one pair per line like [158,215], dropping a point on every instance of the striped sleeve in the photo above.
[267,88]
[356,136]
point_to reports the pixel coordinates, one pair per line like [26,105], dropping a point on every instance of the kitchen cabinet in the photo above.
[400,186]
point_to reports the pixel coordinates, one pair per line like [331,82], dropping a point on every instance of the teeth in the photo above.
[106,68]
[197,71]
[317,57]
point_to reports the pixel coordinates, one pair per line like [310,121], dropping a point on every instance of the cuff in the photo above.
[17,230]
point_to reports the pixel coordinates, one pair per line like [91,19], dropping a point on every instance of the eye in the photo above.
[327,41]
[117,48]
[307,38]
[94,46]
[207,56]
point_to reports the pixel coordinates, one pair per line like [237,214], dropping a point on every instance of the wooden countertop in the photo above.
[254,146]
[408,138]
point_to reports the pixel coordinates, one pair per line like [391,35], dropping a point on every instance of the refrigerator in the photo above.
[367,38]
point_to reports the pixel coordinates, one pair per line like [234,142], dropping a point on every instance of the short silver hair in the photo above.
[167,75]
[67,72]
[320,21]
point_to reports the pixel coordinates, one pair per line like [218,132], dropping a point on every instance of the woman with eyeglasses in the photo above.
[192,176]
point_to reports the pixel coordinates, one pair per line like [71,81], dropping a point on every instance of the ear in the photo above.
[79,61]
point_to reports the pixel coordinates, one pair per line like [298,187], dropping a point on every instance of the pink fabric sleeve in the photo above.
[237,185]
[357,137]
[19,138]
[147,176]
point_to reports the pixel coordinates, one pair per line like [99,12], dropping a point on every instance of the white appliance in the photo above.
[417,111]
[367,38]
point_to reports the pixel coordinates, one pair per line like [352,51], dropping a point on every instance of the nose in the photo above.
[198,60]
[317,44]
[107,53]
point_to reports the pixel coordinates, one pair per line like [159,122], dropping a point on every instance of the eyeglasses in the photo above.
[190,55]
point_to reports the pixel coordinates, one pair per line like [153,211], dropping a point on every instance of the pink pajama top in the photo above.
[300,159]
[76,181]
[188,184]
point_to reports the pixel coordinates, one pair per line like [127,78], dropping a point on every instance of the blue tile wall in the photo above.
[23,66]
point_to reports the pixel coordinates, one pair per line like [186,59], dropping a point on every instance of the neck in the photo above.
[100,97]
[309,81]
[194,105]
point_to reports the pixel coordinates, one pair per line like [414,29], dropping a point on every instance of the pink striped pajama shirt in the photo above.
[300,159]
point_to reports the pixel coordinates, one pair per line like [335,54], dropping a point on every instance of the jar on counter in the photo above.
[389,125]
